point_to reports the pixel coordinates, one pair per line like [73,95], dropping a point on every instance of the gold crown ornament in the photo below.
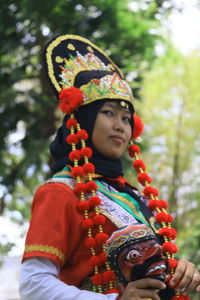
[81,73]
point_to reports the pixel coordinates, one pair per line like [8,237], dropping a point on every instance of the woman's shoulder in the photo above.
[55,191]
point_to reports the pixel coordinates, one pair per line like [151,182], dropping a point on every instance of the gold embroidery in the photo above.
[111,217]
[45,249]
[57,41]
[70,46]
[128,203]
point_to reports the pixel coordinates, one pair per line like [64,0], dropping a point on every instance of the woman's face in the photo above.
[112,130]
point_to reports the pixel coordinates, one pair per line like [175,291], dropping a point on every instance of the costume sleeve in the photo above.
[54,218]
[39,280]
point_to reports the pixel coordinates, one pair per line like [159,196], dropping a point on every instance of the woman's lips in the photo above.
[117,139]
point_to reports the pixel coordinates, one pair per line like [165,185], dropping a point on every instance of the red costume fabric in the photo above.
[55,232]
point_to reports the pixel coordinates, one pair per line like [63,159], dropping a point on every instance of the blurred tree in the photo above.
[28,108]
[171,110]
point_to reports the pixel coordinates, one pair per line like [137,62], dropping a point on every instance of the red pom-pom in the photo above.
[97,279]
[88,168]
[79,188]
[180,297]
[164,231]
[70,99]
[83,205]
[170,233]
[161,217]
[163,204]
[99,220]
[108,276]
[134,149]
[91,186]
[72,139]
[86,224]
[82,134]
[94,201]
[101,237]
[86,151]
[139,164]
[144,178]
[77,171]
[103,257]
[71,123]
[112,291]
[90,242]
[170,218]
[150,190]
[74,155]
[153,204]
[172,263]
[138,127]
[94,261]
[169,247]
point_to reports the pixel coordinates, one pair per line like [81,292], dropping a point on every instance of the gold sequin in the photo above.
[71,46]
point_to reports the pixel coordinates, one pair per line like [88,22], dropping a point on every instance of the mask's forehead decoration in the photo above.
[72,61]
[134,253]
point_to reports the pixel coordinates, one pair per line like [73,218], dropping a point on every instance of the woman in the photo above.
[74,246]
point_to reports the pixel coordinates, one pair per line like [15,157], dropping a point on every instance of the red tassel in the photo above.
[170,218]
[153,204]
[97,279]
[70,99]
[82,135]
[161,217]
[71,123]
[79,188]
[75,155]
[101,237]
[86,224]
[108,276]
[86,151]
[94,261]
[163,204]
[83,205]
[91,186]
[180,297]
[164,231]
[139,164]
[77,171]
[138,127]
[112,291]
[169,247]
[99,220]
[94,201]
[103,257]
[72,139]
[150,190]
[172,263]
[90,242]
[173,234]
[134,149]
[88,168]
[144,178]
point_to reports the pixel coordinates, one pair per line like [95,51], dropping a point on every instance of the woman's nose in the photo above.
[118,124]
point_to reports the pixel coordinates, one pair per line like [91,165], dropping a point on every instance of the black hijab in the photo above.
[86,116]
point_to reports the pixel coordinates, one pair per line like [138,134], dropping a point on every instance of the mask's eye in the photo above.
[133,255]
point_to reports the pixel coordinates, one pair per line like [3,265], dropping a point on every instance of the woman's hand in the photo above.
[186,277]
[143,289]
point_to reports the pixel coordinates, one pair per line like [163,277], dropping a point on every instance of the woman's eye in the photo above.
[107,112]
[127,119]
